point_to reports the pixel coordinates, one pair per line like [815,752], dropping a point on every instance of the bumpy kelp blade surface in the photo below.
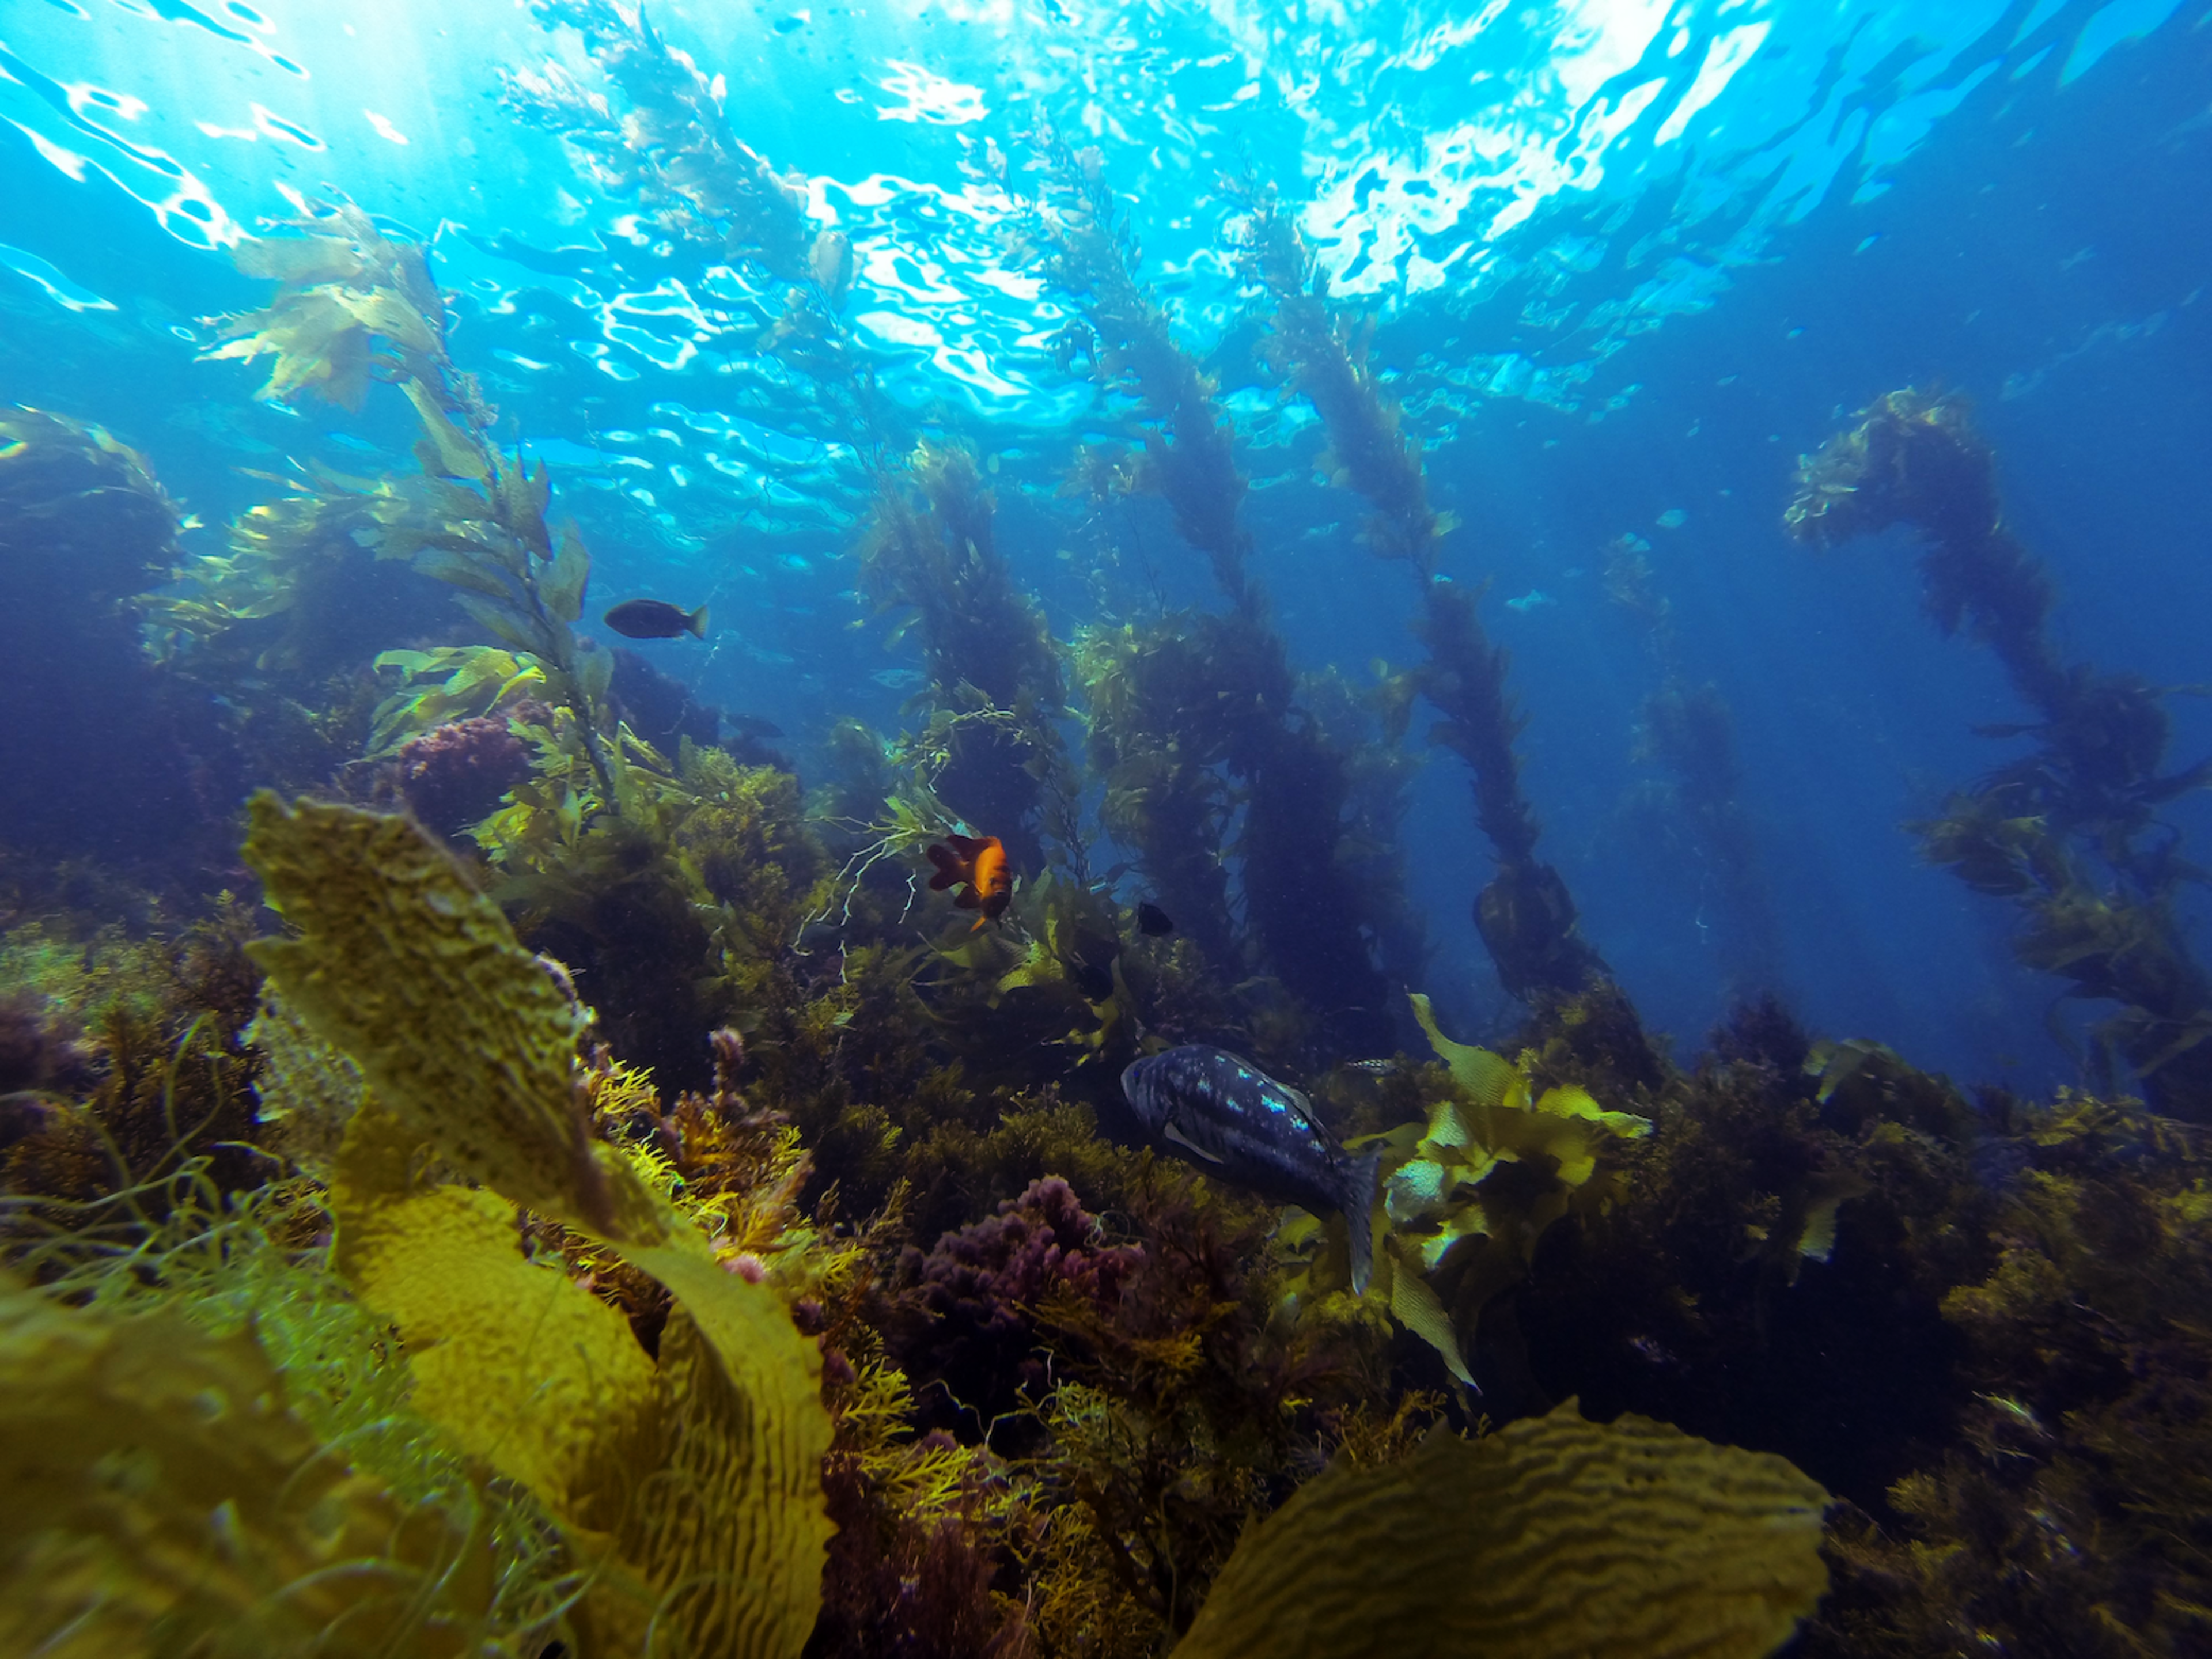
[159,1500]
[420,980]
[524,1369]
[1554,1537]
[461,1033]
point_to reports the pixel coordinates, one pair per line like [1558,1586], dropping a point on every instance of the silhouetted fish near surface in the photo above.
[1230,1118]
[1152,922]
[656,619]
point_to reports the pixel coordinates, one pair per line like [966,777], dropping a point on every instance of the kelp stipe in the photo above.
[1524,914]
[995,688]
[2068,832]
[1688,728]
[1313,927]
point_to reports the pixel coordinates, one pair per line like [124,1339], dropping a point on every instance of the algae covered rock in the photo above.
[1555,1536]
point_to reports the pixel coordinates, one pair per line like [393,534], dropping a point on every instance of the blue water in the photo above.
[1625,261]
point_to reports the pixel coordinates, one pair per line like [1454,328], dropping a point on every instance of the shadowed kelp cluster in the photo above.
[2068,832]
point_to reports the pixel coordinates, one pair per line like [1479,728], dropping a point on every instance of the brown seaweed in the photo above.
[2068,832]
[1524,914]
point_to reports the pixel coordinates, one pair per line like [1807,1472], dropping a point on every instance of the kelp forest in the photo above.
[500,1157]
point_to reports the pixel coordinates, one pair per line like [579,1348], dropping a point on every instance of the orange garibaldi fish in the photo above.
[980,863]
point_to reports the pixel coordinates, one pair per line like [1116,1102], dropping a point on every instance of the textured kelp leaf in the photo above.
[523,1368]
[523,498]
[1570,1103]
[734,1533]
[522,631]
[460,1032]
[381,310]
[1483,1075]
[1554,1537]
[318,345]
[446,565]
[562,587]
[308,1090]
[695,1483]
[453,452]
[1416,1307]
[159,1500]
[723,1535]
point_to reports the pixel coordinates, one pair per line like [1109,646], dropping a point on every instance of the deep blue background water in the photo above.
[1603,328]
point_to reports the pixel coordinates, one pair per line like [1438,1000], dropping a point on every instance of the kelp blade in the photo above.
[1555,1536]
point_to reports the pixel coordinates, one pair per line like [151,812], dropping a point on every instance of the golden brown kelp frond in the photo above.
[1310,348]
[994,670]
[311,584]
[1507,1150]
[1525,914]
[1916,459]
[692,1478]
[343,291]
[673,147]
[1189,455]
[1313,924]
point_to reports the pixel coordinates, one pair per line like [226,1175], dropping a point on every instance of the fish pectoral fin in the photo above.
[1188,1145]
[967,900]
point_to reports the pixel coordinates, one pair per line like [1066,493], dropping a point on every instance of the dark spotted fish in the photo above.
[1224,1115]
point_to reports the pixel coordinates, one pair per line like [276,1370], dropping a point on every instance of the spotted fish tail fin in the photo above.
[1360,1217]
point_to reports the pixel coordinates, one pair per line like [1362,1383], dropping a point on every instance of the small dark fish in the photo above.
[1373,1067]
[1230,1119]
[1096,983]
[1152,922]
[656,619]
